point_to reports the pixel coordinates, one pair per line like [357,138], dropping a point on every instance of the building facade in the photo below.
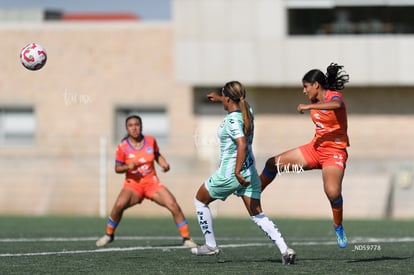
[59,126]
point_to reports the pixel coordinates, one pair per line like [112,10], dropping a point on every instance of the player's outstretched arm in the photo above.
[331,105]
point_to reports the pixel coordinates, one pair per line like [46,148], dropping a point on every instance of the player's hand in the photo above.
[242,180]
[301,108]
[166,168]
[214,96]
[132,166]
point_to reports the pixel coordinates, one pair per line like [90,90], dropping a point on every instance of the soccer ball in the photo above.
[33,56]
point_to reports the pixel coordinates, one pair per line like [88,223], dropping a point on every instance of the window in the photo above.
[17,126]
[358,19]
[154,120]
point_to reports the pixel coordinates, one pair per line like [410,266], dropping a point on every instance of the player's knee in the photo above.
[333,194]
[119,207]
[271,165]
[173,206]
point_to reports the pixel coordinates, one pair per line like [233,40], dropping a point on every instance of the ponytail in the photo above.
[336,77]
[247,117]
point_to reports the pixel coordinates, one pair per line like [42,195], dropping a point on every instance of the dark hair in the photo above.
[126,122]
[236,92]
[334,79]
[131,117]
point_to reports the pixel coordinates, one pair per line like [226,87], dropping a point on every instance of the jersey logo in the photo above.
[131,155]
[141,160]
[149,150]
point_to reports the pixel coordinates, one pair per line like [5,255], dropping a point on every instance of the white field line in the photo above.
[83,239]
[119,249]
[137,238]
[358,240]
[118,238]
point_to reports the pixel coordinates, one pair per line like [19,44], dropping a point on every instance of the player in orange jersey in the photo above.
[135,157]
[327,150]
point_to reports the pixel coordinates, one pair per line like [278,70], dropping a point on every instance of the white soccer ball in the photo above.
[33,56]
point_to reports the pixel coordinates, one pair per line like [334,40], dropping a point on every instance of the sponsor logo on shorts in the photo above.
[339,161]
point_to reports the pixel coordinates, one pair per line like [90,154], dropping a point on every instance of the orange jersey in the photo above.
[331,125]
[143,157]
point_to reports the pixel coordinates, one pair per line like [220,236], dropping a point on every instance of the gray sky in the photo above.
[146,9]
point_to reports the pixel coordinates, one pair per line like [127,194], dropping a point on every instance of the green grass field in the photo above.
[66,245]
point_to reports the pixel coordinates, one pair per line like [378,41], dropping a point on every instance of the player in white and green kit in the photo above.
[223,182]
[236,174]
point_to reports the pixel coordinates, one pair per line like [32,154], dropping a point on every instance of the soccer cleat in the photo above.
[289,257]
[205,250]
[340,236]
[189,243]
[104,240]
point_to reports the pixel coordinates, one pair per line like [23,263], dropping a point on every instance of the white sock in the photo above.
[271,231]
[206,222]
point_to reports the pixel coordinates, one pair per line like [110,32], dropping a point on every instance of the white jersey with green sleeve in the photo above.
[229,130]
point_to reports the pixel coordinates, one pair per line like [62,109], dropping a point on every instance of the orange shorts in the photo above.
[321,157]
[144,190]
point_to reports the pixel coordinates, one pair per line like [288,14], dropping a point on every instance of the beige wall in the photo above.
[133,65]
[109,64]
